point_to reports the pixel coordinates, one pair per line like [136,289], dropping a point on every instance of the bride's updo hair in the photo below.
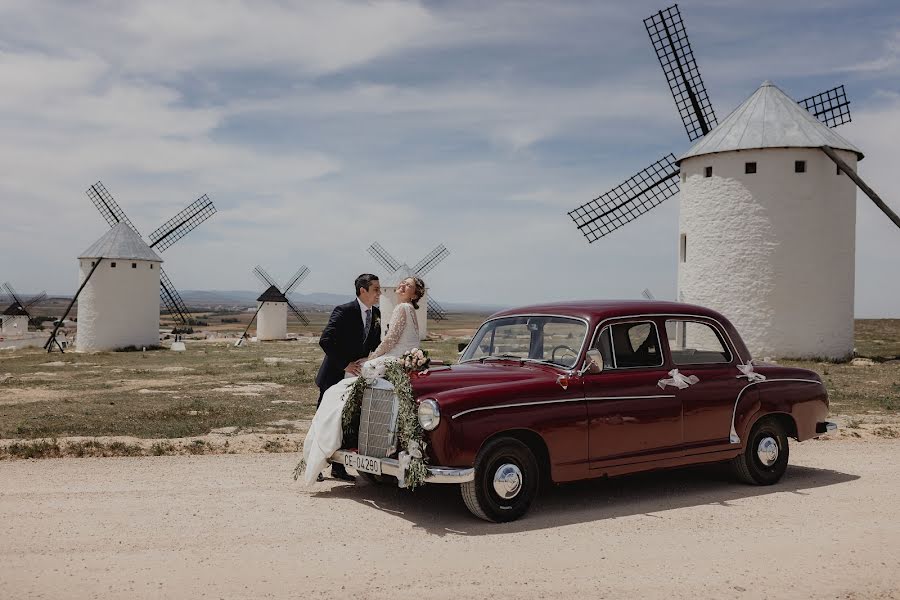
[420,291]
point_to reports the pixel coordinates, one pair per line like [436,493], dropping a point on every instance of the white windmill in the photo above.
[273,305]
[16,318]
[106,298]
[767,222]
[397,272]
[119,303]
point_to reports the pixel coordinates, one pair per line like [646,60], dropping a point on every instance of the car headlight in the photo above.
[429,414]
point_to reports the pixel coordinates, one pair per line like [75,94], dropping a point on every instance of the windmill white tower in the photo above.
[119,303]
[397,272]
[273,305]
[769,167]
[768,228]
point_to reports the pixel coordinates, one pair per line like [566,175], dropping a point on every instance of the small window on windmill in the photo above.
[134,265]
[151,266]
[707,172]
[112,265]
[837,170]
[799,166]
[92,263]
[750,168]
[683,248]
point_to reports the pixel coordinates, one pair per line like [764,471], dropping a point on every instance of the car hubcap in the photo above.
[508,481]
[767,451]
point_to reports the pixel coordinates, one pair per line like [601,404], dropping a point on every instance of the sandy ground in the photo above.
[238,526]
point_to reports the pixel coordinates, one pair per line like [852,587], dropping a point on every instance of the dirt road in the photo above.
[237,526]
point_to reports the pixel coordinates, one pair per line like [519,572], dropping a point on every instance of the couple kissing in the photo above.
[352,343]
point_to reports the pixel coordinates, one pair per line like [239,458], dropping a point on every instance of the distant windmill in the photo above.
[395,268]
[16,317]
[767,225]
[161,239]
[273,306]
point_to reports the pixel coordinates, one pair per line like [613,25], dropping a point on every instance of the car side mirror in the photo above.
[461,346]
[594,362]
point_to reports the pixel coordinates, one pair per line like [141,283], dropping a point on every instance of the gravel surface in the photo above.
[238,526]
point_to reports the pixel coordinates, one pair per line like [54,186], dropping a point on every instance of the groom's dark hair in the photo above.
[364,282]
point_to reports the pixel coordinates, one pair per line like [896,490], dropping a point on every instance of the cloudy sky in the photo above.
[318,128]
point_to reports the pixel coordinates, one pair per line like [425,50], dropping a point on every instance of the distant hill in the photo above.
[321,301]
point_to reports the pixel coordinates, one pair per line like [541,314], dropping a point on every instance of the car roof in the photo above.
[596,310]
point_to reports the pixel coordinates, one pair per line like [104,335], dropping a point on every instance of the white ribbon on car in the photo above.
[748,372]
[405,458]
[678,380]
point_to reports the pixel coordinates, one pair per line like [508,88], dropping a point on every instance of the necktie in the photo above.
[368,322]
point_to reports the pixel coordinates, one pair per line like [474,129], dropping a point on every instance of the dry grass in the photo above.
[260,387]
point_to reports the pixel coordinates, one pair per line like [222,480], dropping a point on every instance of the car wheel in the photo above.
[506,481]
[765,458]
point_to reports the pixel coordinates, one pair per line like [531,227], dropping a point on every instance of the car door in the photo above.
[698,347]
[630,419]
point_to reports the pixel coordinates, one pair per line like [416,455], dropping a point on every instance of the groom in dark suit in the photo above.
[352,332]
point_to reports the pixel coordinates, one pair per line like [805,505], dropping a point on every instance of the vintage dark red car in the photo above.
[577,390]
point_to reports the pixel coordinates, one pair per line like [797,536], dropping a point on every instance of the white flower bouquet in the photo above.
[415,360]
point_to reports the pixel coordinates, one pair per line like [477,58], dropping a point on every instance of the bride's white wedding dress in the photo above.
[325,431]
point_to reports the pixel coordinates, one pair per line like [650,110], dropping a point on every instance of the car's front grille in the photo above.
[378,423]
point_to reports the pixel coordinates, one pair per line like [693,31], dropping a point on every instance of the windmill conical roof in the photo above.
[769,119]
[121,242]
[15,310]
[272,294]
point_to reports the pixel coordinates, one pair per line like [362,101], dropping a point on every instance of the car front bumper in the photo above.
[391,466]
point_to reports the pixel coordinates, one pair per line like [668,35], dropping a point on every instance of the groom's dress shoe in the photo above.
[338,472]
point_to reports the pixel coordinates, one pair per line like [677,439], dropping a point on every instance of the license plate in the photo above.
[366,464]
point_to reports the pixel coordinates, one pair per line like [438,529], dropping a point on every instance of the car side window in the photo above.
[695,343]
[629,345]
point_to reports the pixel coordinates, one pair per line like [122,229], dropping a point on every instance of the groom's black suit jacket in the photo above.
[343,342]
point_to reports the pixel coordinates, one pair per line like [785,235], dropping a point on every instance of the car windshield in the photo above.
[555,340]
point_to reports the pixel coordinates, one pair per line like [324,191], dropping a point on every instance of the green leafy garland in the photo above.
[410,436]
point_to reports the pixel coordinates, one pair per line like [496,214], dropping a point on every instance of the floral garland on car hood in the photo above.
[410,435]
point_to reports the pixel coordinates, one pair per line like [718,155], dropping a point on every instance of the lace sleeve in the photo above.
[395,331]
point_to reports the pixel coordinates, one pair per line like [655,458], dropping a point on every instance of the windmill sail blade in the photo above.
[35,300]
[435,311]
[670,41]
[626,202]
[108,207]
[831,107]
[297,313]
[299,276]
[382,256]
[183,223]
[431,261]
[172,300]
[264,277]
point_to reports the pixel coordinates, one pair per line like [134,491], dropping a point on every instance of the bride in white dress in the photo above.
[325,431]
